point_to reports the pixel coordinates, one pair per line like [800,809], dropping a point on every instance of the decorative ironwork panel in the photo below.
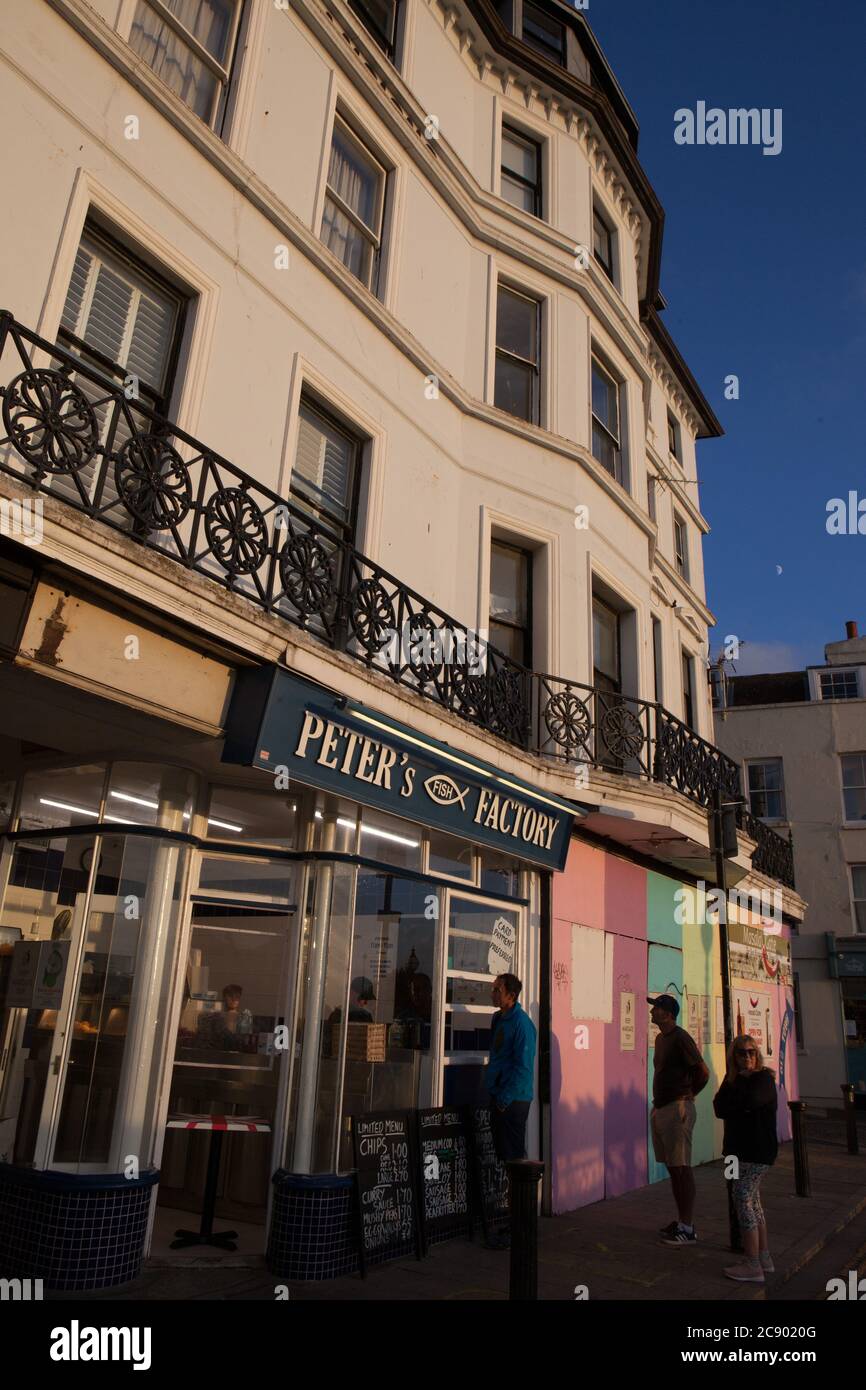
[70,431]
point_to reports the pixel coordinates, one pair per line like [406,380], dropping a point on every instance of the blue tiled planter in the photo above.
[313,1226]
[73,1232]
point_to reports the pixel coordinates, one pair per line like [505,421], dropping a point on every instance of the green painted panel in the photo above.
[662,907]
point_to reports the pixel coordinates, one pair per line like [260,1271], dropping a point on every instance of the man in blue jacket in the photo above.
[510,1071]
[509,1077]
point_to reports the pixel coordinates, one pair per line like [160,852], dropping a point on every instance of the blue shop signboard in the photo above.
[281,723]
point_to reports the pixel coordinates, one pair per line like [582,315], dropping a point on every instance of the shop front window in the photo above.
[45,898]
[136,794]
[268,817]
[482,943]
[120,1011]
[451,856]
[229,1054]
[385,1024]
[61,797]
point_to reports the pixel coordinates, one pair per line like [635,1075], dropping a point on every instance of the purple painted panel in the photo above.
[625,1075]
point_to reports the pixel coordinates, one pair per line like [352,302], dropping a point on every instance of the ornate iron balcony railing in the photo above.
[72,432]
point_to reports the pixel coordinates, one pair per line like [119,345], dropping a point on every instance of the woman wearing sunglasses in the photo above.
[746,1101]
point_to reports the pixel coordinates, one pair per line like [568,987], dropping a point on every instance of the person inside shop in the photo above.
[747,1102]
[231,1013]
[360,995]
[679,1074]
[222,1027]
[509,1077]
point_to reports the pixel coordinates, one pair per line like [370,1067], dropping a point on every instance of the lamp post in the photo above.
[719,841]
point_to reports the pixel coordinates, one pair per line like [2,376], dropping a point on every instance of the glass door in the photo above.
[482,941]
[231,1047]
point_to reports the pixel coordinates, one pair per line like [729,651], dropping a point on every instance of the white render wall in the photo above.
[443,474]
[809,738]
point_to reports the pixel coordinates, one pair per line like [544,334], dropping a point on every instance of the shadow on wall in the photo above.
[587,1165]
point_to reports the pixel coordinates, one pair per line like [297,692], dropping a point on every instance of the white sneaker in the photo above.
[767,1262]
[746,1274]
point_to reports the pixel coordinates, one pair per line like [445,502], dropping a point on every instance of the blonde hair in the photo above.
[732,1068]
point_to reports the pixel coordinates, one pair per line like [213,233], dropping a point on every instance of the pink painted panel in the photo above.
[625,1076]
[625,898]
[578,892]
[577,1090]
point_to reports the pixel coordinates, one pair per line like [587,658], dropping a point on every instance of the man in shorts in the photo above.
[679,1074]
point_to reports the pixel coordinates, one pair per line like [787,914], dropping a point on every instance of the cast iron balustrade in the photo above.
[71,432]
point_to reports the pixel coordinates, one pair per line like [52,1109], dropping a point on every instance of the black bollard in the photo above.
[850,1118]
[801,1157]
[523,1179]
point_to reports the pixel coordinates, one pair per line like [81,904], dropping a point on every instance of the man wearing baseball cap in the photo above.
[679,1074]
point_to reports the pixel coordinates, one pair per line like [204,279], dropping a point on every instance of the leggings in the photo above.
[747,1195]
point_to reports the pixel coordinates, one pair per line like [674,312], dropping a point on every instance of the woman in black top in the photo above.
[746,1101]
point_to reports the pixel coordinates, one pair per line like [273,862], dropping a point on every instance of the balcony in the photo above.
[71,432]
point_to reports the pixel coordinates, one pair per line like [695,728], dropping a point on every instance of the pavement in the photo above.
[610,1249]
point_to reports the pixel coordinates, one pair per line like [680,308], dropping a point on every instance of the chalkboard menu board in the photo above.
[384,1162]
[491,1177]
[443,1154]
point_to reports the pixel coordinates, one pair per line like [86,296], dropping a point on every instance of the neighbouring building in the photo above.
[800,739]
[353,609]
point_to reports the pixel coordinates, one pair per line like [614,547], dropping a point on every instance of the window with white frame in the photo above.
[520,178]
[543,33]
[126,322]
[840,683]
[688,664]
[603,243]
[518,355]
[606,421]
[651,497]
[379,18]
[674,444]
[354,210]
[854,785]
[327,468]
[858,896]
[766,789]
[681,547]
[190,44]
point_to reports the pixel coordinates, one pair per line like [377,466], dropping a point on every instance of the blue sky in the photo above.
[764,271]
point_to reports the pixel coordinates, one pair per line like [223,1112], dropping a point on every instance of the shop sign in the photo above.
[758,954]
[277,721]
[851,962]
[37,974]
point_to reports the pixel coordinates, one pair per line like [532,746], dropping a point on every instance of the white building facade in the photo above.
[342,440]
[800,738]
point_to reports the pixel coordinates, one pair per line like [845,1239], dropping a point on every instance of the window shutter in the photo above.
[324,461]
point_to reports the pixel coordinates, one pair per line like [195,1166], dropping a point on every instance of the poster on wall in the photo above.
[626,1021]
[706,1037]
[591,973]
[752,1018]
[500,957]
[694,1017]
[759,953]
[720,1019]
[37,975]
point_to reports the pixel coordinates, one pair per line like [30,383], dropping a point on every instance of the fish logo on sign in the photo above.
[445,791]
